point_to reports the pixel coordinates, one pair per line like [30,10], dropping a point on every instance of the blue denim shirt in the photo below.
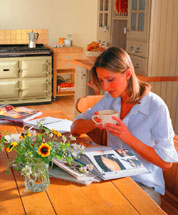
[149,121]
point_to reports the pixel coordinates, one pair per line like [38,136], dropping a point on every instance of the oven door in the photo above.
[9,68]
[35,67]
[9,89]
[35,88]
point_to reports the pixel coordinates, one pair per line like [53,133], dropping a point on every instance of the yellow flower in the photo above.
[58,134]
[44,150]
[23,135]
[12,145]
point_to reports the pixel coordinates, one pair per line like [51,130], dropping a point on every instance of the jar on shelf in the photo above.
[68,40]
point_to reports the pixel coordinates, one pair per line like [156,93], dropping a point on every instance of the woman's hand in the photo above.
[98,120]
[119,129]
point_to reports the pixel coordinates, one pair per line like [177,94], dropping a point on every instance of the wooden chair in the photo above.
[83,103]
[171,181]
[86,102]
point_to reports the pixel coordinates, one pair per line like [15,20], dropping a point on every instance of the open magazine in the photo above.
[57,172]
[107,164]
[61,125]
[63,170]
[17,114]
[111,164]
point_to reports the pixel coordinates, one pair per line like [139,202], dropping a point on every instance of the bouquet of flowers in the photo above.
[34,148]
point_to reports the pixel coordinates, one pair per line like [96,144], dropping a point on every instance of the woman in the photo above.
[143,123]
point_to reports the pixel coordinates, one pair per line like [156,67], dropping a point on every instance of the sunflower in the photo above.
[12,145]
[23,135]
[57,133]
[44,150]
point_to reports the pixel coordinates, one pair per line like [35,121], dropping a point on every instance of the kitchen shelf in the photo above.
[63,72]
[63,64]
[67,93]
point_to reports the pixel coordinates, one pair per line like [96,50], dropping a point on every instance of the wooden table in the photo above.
[121,196]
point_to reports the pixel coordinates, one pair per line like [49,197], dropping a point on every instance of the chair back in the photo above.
[97,135]
[86,102]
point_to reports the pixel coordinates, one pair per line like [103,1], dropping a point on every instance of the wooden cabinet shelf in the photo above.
[67,93]
[63,65]
[63,72]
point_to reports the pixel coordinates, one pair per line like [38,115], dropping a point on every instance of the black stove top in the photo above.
[23,50]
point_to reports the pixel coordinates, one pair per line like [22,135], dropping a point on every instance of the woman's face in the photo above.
[113,82]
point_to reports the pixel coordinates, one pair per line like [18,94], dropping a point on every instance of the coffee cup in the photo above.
[105,116]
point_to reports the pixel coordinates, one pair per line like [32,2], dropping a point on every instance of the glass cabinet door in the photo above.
[103,13]
[138,17]
[104,22]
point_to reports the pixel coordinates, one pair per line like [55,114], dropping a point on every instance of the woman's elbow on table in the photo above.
[74,130]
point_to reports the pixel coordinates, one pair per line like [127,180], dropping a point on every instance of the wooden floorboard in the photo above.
[63,103]
[66,105]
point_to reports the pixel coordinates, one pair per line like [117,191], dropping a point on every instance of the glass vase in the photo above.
[38,178]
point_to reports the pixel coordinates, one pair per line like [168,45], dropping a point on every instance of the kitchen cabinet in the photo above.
[138,35]
[25,80]
[63,65]
[138,19]
[148,31]
[119,24]
[82,76]
[152,37]
[104,22]
[111,24]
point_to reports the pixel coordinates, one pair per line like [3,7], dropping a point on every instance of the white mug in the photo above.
[105,116]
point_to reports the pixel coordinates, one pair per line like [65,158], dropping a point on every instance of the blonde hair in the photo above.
[116,60]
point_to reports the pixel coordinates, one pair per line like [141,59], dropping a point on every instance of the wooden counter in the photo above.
[87,65]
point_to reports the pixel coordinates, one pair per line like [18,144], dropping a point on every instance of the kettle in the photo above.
[32,37]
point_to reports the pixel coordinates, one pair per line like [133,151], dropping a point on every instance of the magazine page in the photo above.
[43,121]
[110,164]
[71,169]
[74,170]
[60,173]
[17,114]
[61,125]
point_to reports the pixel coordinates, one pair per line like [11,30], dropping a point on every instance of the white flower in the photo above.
[83,169]
[64,138]
[74,146]
[72,137]
[82,147]
[77,146]
[90,167]
[26,170]
[33,132]
[51,135]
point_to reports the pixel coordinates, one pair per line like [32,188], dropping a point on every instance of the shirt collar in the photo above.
[143,106]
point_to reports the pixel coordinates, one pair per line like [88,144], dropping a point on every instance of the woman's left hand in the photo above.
[119,129]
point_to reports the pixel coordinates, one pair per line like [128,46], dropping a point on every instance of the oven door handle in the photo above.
[46,72]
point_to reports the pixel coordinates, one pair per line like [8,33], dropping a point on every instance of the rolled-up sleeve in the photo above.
[163,134]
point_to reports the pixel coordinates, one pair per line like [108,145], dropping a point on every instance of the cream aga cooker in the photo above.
[25,74]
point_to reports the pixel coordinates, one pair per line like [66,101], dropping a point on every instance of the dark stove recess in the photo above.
[24,51]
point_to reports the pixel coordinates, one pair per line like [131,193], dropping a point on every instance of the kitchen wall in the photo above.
[60,17]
